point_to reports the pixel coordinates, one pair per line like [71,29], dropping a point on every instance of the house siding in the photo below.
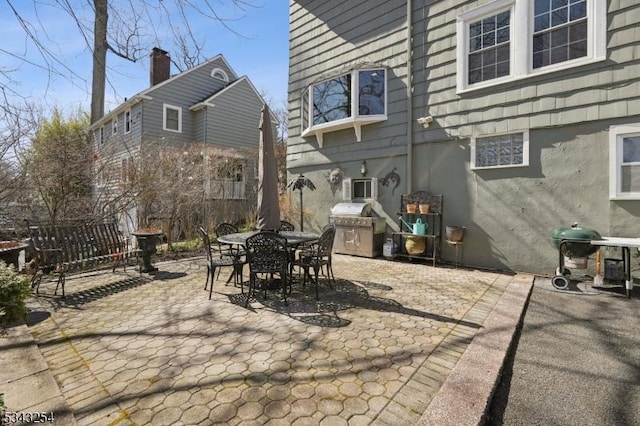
[509,213]
[242,103]
[233,124]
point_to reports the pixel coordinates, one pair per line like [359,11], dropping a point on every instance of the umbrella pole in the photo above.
[301,213]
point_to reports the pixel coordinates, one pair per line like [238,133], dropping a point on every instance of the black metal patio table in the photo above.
[294,239]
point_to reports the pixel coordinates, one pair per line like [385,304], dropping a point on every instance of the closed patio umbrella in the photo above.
[268,199]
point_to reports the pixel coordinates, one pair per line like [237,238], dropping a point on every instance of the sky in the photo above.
[258,50]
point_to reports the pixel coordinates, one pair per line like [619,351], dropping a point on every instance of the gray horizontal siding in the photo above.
[234,119]
[366,32]
[326,36]
[191,87]
[595,91]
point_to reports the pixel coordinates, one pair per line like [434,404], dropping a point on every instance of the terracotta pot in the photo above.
[411,208]
[424,208]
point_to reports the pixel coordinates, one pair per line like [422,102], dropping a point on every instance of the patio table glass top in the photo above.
[294,238]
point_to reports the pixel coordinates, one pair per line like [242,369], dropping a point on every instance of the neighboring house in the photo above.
[524,114]
[208,105]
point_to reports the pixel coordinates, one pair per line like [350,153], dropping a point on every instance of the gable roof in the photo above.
[146,93]
[210,100]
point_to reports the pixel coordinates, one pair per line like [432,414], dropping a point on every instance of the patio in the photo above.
[375,350]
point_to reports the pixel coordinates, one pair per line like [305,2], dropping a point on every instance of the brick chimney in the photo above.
[160,66]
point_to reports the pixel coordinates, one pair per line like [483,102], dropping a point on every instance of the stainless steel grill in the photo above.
[357,232]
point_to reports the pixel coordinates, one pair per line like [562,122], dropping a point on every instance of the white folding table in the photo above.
[626,244]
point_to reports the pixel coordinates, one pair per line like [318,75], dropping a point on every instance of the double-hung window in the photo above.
[127,121]
[352,99]
[624,162]
[499,151]
[507,40]
[172,118]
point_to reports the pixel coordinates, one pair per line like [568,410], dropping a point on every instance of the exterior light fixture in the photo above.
[363,168]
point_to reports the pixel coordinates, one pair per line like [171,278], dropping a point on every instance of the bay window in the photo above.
[353,99]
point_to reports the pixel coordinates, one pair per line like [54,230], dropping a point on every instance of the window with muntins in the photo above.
[114,126]
[489,47]
[624,157]
[172,118]
[560,31]
[353,99]
[507,40]
[498,151]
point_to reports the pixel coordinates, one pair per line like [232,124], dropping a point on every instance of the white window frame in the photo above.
[223,75]
[525,151]
[127,121]
[355,120]
[165,108]
[114,126]
[101,133]
[616,137]
[348,188]
[521,39]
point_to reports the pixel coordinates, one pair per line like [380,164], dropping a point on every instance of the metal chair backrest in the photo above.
[225,228]
[267,252]
[206,242]
[325,242]
[286,226]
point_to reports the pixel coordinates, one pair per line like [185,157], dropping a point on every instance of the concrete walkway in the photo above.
[392,343]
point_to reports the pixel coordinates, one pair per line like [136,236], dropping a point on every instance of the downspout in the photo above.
[409,100]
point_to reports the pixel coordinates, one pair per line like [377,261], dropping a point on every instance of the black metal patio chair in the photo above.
[267,254]
[317,257]
[218,260]
[286,226]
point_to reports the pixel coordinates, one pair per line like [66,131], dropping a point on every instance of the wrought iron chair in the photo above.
[286,226]
[217,261]
[267,253]
[317,257]
[223,249]
[225,228]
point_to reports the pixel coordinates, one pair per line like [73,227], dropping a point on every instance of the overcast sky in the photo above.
[261,52]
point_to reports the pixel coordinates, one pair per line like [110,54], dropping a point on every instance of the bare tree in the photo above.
[180,188]
[128,30]
[17,124]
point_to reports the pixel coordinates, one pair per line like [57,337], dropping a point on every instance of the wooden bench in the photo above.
[65,249]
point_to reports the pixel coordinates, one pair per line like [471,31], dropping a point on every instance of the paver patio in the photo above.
[155,350]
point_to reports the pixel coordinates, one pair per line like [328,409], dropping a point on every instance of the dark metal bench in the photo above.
[65,249]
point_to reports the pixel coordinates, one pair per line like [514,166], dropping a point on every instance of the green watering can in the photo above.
[418,227]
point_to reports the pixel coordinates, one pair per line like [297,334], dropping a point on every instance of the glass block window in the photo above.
[507,150]
[489,48]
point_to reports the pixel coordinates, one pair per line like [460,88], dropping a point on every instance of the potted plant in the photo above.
[14,290]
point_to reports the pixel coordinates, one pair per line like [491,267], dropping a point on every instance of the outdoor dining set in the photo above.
[272,257]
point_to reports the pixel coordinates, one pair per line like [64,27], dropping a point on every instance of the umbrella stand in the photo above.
[301,213]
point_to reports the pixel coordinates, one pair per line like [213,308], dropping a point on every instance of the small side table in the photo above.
[459,252]
[147,241]
[10,250]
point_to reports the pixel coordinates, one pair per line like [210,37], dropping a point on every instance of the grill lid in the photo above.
[351,209]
